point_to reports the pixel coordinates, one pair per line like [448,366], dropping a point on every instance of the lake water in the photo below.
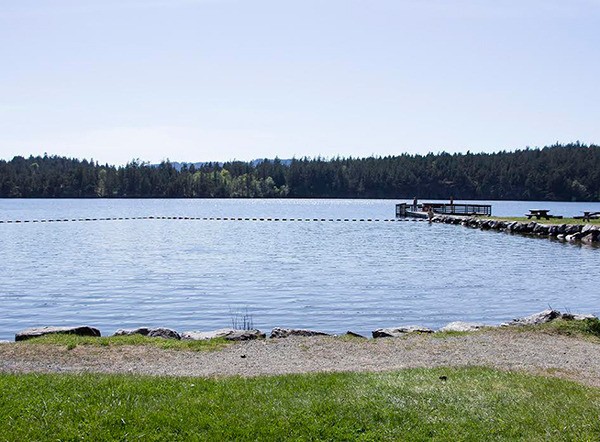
[331,276]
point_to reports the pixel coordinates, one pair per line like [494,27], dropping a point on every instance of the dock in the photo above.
[411,210]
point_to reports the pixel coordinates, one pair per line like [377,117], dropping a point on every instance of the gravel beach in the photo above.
[540,353]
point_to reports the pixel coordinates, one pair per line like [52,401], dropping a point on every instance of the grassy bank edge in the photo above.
[72,341]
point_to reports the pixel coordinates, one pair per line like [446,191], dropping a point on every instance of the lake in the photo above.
[330,276]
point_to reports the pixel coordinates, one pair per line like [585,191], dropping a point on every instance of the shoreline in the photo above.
[547,343]
[512,349]
[248,332]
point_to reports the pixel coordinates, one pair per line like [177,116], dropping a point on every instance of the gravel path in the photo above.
[573,358]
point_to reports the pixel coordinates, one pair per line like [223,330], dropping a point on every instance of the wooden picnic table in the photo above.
[541,213]
[587,216]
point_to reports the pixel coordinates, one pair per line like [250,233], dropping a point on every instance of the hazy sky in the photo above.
[198,80]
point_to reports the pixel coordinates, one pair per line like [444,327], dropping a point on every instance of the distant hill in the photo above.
[177,165]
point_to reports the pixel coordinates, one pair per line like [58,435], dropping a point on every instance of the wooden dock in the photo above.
[404,210]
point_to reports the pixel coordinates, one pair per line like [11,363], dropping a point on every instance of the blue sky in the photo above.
[199,80]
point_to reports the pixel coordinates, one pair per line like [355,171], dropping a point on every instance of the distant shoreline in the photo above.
[554,173]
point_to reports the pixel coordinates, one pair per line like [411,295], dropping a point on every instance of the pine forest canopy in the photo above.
[561,172]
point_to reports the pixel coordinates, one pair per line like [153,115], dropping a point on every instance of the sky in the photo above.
[217,80]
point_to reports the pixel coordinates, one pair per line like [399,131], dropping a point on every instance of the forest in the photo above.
[569,172]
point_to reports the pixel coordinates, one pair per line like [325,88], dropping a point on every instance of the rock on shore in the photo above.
[536,318]
[459,326]
[132,331]
[286,332]
[547,316]
[159,332]
[229,334]
[399,331]
[36,332]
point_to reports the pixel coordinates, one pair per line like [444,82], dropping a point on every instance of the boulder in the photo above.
[517,227]
[459,326]
[132,331]
[399,331]
[577,317]
[588,228]
[536,318]
[165,333]
[245,335]
[286,332]
[224,333]
[205,335]
[35,332]
[590,236]
[500,225]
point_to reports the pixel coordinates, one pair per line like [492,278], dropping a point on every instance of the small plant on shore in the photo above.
[241,320]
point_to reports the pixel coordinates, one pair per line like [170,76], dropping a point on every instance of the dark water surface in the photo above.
[332,276]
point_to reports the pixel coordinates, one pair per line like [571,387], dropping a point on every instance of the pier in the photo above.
[404,210]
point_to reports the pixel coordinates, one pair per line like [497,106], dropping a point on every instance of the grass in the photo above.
[550,221]
[589,328]
[72,341]
[410,405]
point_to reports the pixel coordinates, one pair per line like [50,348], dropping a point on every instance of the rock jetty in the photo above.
[583,233]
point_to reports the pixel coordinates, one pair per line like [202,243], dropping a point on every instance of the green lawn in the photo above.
[471,404]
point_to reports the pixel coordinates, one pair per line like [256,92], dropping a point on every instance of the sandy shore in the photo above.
[535,352]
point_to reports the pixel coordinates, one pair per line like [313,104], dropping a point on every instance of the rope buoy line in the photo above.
[258,219]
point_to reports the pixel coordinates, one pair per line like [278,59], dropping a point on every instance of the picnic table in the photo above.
[541,213]
[587,216]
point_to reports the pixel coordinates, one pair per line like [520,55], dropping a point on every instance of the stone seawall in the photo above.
[575,233]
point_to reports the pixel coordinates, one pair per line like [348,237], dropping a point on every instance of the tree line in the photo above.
[568,172]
